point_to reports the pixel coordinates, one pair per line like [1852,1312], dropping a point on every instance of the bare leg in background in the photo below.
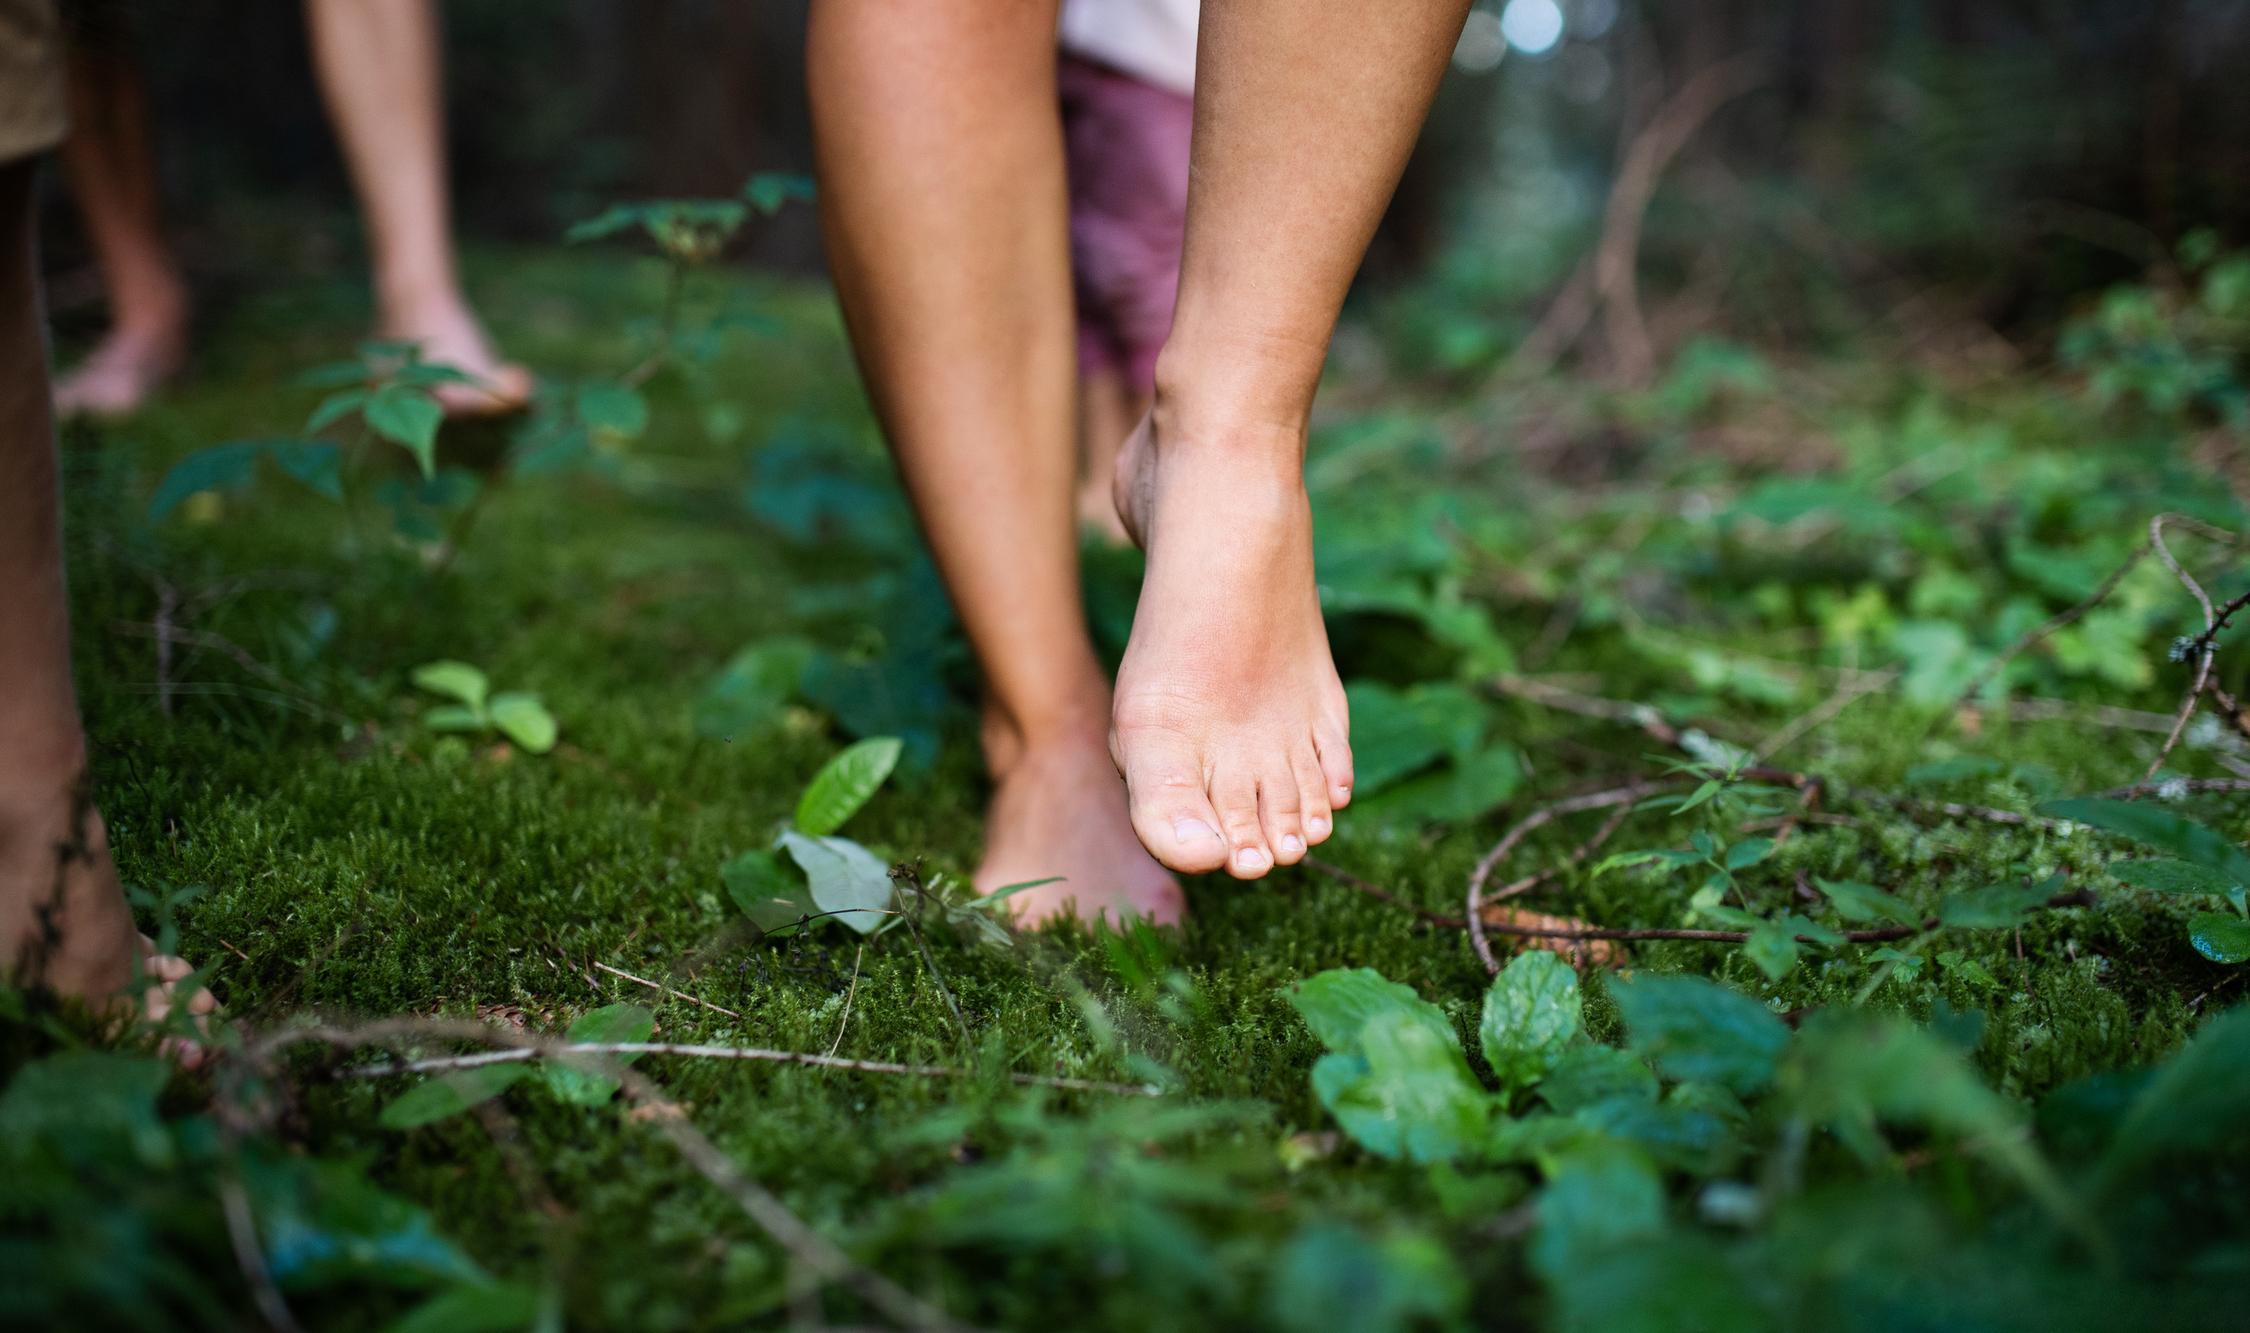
[381,71]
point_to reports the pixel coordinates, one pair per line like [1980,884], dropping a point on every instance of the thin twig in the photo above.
[510,1055]
[849,996]
[1545,814]
[804,1245]
[2166,786]
[622,974]
[2074,898]
[2038,632]
[2205,652]
[242,1234]
[1846,694]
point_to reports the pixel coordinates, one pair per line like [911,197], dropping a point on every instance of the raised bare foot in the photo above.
[449,334]
[65,923]
[1230,723]
[1058,811]
[124,370]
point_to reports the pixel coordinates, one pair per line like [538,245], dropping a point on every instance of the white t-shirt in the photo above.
[1152,40]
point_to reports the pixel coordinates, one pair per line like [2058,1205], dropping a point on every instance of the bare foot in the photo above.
[449,335]
[1059,811]
[124,370]
[1230,724]
[66,924]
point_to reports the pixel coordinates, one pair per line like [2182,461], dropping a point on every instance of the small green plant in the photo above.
[517,715]
[2204,862]
[834,876]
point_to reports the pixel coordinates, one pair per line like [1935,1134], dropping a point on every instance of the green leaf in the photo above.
[1396,733]
[768,191]
[1339,1003]
[1855,901]
[316,463]
[2220,937]
[408,418]
[610,1023]
[1693,1029]
[1772,948]
[1747,853]
[2171,877]
[2196,1102]
[2162,829]
[1997,907]
[844,784]
[499,1307]
[1586,1075]
[1530,1015]
[1333,1276]
[1408,1093]
[455,717]
[771,894]
[1603,1197]
[524,720]
[610,408]
[454,680]
[450,1094]
[844,877]
[751,688]
[336,406]
[222,467]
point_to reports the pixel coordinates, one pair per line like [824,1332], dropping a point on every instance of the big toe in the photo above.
[1171,812]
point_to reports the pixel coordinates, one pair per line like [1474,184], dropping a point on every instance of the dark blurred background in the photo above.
[2012,154]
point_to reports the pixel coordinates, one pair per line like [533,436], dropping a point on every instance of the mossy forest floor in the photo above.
[1751,538]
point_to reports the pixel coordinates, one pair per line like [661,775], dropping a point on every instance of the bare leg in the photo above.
[1108,410]
[112,168]
[63,919]
[379,69]
[1230,723]
[941,168]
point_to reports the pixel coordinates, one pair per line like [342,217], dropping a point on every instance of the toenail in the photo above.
[1317,825]
[1292,843]
[1194,830]
[1250,860]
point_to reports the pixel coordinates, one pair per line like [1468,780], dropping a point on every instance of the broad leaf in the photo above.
[1997,907]
[524,720]
[1772,948]
[844,784]
[1333,1276]
[2162,829]
[1407,1094]
[2221,937]
[454,680]
[613,409]
[2171,877]
[450,1094]
[316,463]
[845,878]
[1693,1029]
[752,687]
[1603,1196]
[1587,1075]
[1338,1004]
[498,1307]
[610,1023]
[1530,1015]
[770,893]
[222,467]
[769,190]
[1855,901]
[455,717]
[408,418]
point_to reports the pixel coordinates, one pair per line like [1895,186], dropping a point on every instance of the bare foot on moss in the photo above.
[450,335]
[1230,723]
[64,923]
[1058,811]
[125,370]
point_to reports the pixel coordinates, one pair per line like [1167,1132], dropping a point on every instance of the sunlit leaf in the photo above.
[844,784]
[610,1023]
[450,1094]
[522,718]
[844,877]
[2220,936]
[454,680]
[1530,1016]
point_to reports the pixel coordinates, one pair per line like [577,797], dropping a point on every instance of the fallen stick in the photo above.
[659,986]
[511,1055]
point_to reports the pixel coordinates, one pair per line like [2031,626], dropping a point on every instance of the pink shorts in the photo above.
[1127,147]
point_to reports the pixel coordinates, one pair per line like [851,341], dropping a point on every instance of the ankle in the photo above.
[1009,735]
